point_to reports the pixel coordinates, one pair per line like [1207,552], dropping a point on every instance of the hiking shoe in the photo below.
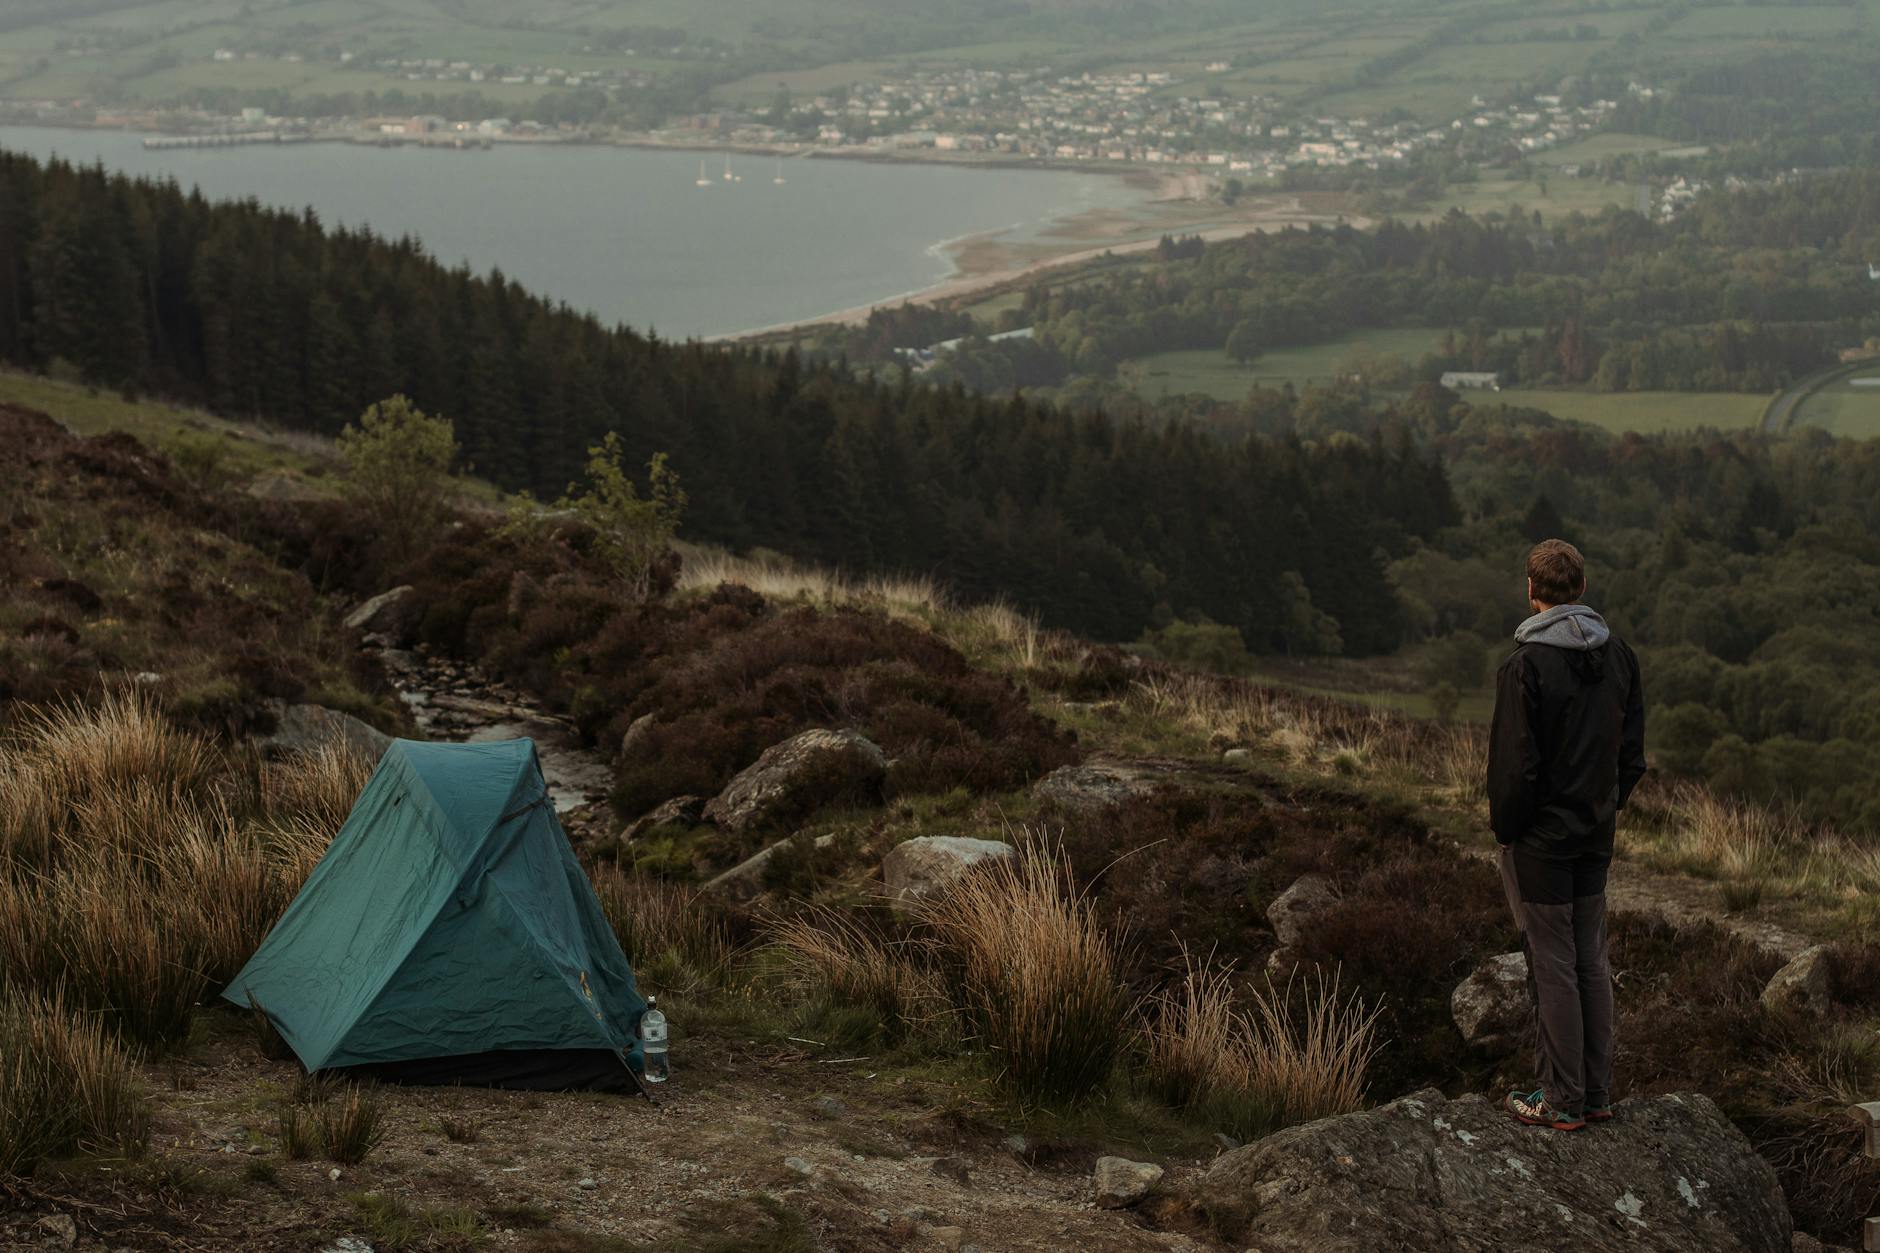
[1532,1109]
[1599,1113]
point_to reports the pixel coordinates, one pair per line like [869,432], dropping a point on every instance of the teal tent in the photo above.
[450,936]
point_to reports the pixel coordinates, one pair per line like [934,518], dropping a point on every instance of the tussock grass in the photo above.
[1296,1054]
[137,873]
[776,577]
[671,934]
[838,959]
[1037,975]
[343,1122]
[65,1087]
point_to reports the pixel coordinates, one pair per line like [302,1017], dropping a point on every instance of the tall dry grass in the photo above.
[1767,848]
[837,959]
[65,1086]
[137,873]
[1036,974]
[1295,1054]
[778,578]
[671,934]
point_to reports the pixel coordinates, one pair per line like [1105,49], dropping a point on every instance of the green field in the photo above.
[1844,408]
[1209,370]
[1644,412]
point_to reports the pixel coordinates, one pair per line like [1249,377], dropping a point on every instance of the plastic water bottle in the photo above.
[653,1043]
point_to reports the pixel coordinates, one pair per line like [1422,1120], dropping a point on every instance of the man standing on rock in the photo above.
[1565,751]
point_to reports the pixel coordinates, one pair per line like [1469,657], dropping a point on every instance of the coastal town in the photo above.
[1145,117]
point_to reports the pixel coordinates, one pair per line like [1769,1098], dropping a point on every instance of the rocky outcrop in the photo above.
[1492,1003]
[797,777]
[680,811]
[922,868]
[1120,1182]
[746,879]
[1097,784]
[304,728]
[1804,985]
[1309,894]
[382,614]
[1425,1173]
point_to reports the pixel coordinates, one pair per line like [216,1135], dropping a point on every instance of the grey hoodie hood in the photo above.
[1573,627]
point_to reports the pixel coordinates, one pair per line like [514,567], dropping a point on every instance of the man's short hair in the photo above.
[1557,571]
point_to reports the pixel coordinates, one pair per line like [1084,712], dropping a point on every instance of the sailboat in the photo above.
[779,180]
[702,180]
[729,176]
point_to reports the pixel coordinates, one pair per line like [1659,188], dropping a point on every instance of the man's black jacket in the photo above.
[1567,745]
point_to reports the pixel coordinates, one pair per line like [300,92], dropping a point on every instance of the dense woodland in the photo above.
[1101,527]
[1743,292]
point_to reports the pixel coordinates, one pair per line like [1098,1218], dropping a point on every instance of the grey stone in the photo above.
[947,1237]
[800,1166]
[1493,1000]
[798,776]
[305,728]
[1097,784]
[1802,985]
[680,811]
[746,879]
[1120,1182]
[828,1107]
[1238,756]
[1309,894]
[378,615]
[921,869]
[348,1244]
[587,1185]
[638,732]
[61,1229]
[955,1168]
[1427,1172]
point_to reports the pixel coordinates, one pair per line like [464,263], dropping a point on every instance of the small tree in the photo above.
[1243,343]
[632,532]
[398,467]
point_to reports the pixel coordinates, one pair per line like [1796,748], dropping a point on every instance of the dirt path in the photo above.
[862,1160]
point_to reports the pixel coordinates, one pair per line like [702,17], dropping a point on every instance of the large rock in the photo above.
[1098,784]
[798,776]
[923,868]
[1120,1182]
[680,811]
[746,879]
[1428,1173]
[304,728]
[380,614]
[1804,984]
[1309,894]
[1492,1003]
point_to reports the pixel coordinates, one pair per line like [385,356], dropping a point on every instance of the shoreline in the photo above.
[1172,200]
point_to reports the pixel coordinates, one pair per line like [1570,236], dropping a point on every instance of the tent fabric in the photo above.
[448,919]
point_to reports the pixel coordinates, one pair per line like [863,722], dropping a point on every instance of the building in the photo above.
[1470,380]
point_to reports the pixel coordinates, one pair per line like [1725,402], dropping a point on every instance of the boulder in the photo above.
[1120,1182]
[746,879]
[1308,895]
[680,811]
[380,614]
[1493,1001]
[639,732]
[1804,984]
[922,868]
[1427,1172]
[1097,784]
[798,776]
[303,728]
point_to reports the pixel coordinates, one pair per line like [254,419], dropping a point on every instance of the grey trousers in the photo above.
[1559,902]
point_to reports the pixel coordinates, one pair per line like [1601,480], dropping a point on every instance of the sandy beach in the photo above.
[987,264]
